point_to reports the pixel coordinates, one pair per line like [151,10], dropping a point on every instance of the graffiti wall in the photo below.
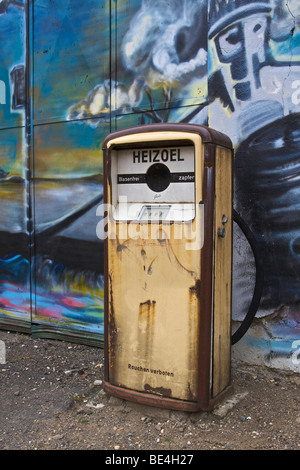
[72,72]
[14,246]
[51,167]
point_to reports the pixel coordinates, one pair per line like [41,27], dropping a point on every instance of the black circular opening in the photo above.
[158,177]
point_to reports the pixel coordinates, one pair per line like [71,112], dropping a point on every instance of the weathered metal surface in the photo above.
[222,272]
[161,303]
[153,316]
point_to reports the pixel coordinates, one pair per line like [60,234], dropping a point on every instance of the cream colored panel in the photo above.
[154,317]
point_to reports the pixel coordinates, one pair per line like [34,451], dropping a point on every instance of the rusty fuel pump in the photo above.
[168,265]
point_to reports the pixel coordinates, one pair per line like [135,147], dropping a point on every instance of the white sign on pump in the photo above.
[161,175]
[152,177]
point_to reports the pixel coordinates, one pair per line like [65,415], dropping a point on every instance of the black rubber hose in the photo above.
[259,280]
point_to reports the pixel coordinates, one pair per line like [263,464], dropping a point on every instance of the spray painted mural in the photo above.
[14,246]
[51,170]
[67,264]
[97,66]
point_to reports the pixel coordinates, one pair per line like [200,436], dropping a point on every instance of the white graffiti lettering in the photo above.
[2,92]
[296,345]
[296,93]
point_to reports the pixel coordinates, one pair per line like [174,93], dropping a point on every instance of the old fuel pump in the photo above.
[168,265]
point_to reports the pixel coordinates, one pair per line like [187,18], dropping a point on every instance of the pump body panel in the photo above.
[168,265]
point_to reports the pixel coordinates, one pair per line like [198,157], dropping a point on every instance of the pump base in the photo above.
[161,402]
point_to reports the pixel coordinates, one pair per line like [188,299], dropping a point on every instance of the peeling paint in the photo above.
[164,392]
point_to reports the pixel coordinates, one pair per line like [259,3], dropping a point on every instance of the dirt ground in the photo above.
[52,399]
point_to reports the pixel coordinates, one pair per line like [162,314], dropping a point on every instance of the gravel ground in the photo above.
[52,399]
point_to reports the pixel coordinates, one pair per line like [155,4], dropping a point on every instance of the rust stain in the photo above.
[163,392]
[146,324]
[147,307]
[190,395]
[112,330]
[195,290]
[192,357]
